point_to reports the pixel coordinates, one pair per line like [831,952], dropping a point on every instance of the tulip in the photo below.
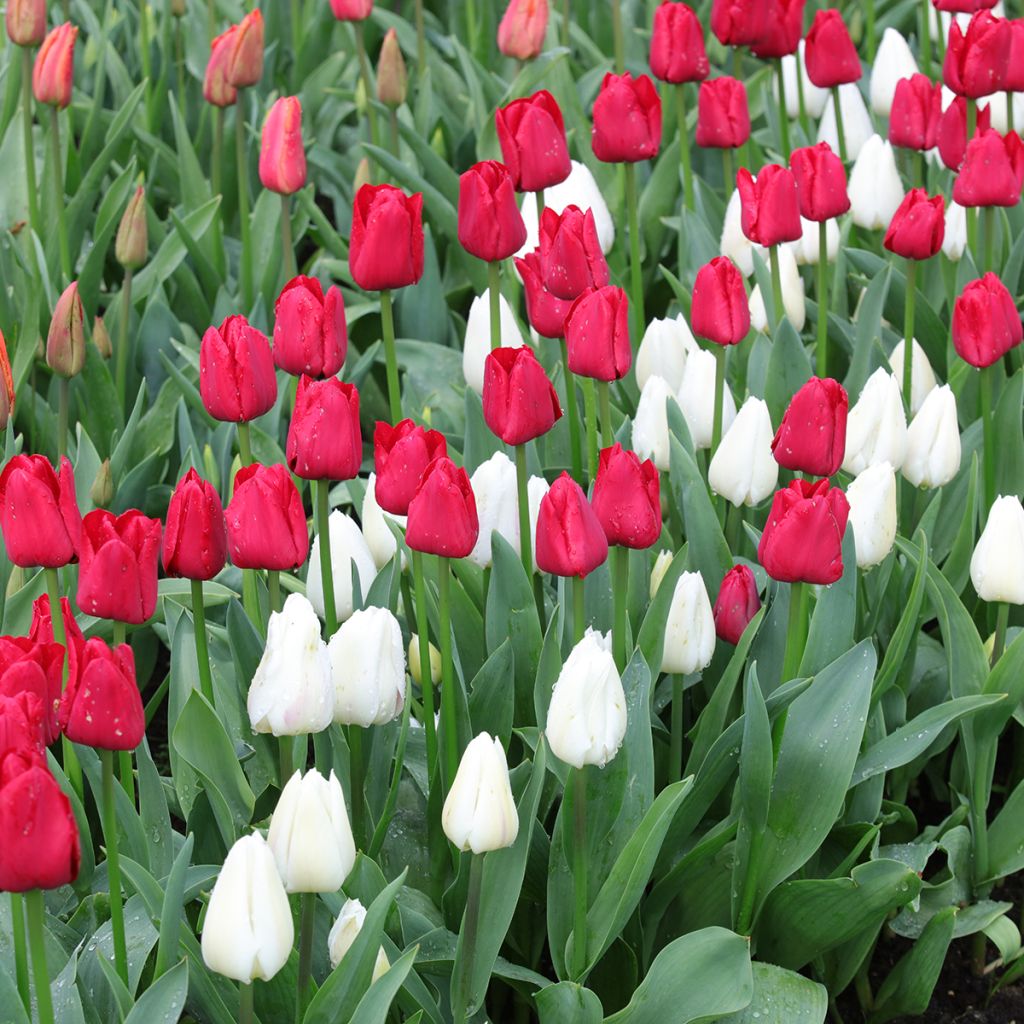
[627,498]
[1014,81]
[597,334]
[992,172]
[812,435]
[546,311]
[245,55]
[951,135]
[923,374]
[807,249]
[803,537]
[933,441]
[6,385]
[415,669]
[247,930]
[677,44]
[195,537]
[697,398]
[376,533]
[477,345]
[737,603]
[734,244]
[723,117]
[916,112]
[977,60]
[986,324]
[101,706]
[368,669]
[519,401]
[795,80]
[282,157]
[719,312]
[793,304]
[392,78]
[217,90]
[831,56]
[522,29]
[42,632]
[579,189]
[570,252]
[782,30]
[236,371]
[490,225]
[651,439]
[21,730]
[100,338]
[963,6]
[479,813]
[853,119]
[442,514]
[386,244]
[627,119]
[875,188]
[893,63]
[570,538]
[586,721]
[876,429]
[742,469]
[348,549]
[65,342]
[997,565]
[769,205]
[872,498]
[324,438]
[265,519]
[117,576]
[661,566]
[34,668]
[663,351]
[689,628]
[310,334]
[739,22]
[351,10]
[55,67]
[531,133]
[26,22]
[101,494]
[820,182]
[1005,108]
[497,504]
[917,227]
[39,512]
[400,455]
[132,244]
[343,933]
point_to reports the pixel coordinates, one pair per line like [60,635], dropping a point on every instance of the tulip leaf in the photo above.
[170,255]
[170,914]
[10,1000]
[1008,412]
[437,209]
[869,330]
[164,999]
[491,698]
[957,565]
[782,997]
[1006,837]
[568,1003]
[789,369]
[834,619]
[374,1007]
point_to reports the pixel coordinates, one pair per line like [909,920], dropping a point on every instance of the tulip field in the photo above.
[511,512]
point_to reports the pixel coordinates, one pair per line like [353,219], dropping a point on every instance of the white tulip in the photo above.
[734,243]
[414,661]
[343,933]
[291,692]
[997,565]
[579,189]
[348,548]
[661,565]
[663,351]
[587,715]
[477,345]
[479,813]
[697,398]
[690,627]
[872,498]
[876,428]
[875,189]
[497,506]
[933,441]
[743,469]
[814,97]
[792,294]
[922,380]
[368,668]
[857,126]
[310,834]
[893,61]
[248,931]
[651,438]
[998,107]
[954,241]
[807,249]
[376,532]
[942,21]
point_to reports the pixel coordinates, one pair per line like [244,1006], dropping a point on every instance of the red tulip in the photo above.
[41,632]
[217,90]
[37,669]
[627,119]
[310,334]
[39,512]
[26,22]
[720,312]
[951,136]
[986,324]
[236,371]
[627,498]
[597,334]
[570,252]
[812,435]
[547,312]
[266,521]
[102,707]
[918,226]
[723,117]
[739,22]
[830,56]
[55,67]
[522,29]
[520,402]
[677,44]
[401,454]
[803,537]
[324,438]
[117,576]
[195,538]
[770,209]
[490,224]
[386,246]
[39,848]
[245,57]
[963,6]
[1014,80]
[783,28]
[916,112]
[21,727]
[570,538]
[737,603]
[442,513]
[820,182]
[282,157]
[351,10]
[992,172]
[6,385]
[977,60]
[533,146]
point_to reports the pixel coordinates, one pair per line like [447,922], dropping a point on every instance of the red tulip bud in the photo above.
[310,334]
[570,252]
[963,6]
[770,209]
[26,22]
[1014,80]
[570,538]
[6,385]
[820,182]
[739,22]
[245,57]
[986,324]
[324,438]
[951,136]
[993,171]
[41,632]
[282,158]
[627,119]
[916,112]
[490,224]
[627,498]
[236,371]
[677,44]
[977,60]
[597,334]
[266,520]
[782,31]
[351,10]
[216,87]
[195,537]
[522,29]
[533,146]
[520,402]
[21,725]
[812,435]
[102,707]
[55,67]
[918,226]
[723,117]
[386,246]
[547,312]
[830,56]
[36,670]
[720,312]
[401,454]
[442,514]
[39,512]
[737,604]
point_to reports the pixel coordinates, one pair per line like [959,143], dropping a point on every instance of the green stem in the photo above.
[323,530]
[675,755]
[470,925]
[387,323]
[245,992]
[113,866]
[869,31]
[926,37]
[394,136]
[716,422]
[242,168]
[144,58]
[1002,620]
[780,308]
[202,651]
[971,213]
[471,25]
[579,624]
[211,18]
[684,144]
[364,71]
[988,230]
[250,598]
[728,179]
[30,152]
[71,766]
[356,775]
[421,41]
[604,397]
[274,587]
[805,124]
[448,716]
[1009,113]
[988,433]
[494,299]
[426,682]
[217,153]
[244,443]
[523,495]
[308,917]
[58,196]
[796,630]
[125,768]
[620,595]
[287,245]
[908,333]
[21,971]
[617,39]
[783,113]
[37,946]
[635,266]
[566,20]
[296,27]
[179,63]
[286,758]
[122,337]
[840,131]
[572,414]
[590,415]
[63,403]
[822,350]
[579,872]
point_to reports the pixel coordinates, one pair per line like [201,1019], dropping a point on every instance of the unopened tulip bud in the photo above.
[54,68]
[733,243]
[872,498]
[6,385]
[102,492]
[477,346]
[179,8]
[997,565]
[893,61]
[368,668]
[392,79]
[245,57]
[697,398]
[282,155]
[923,376]
[587,715]
[348,548]
[26,22]
[101,338]
[132,245]
[737,603]
[522,28]
[343,934]
[875,188]
[806,248]
[414,661]
[581,190]
[954,243]
[792,295]
[248,931]
[876,428]
[661,566]
[65,343]
[690,627]
[211,469]
[933,441]
[857,126]
[362,176]
[651,438]
[743,469]
[479,813]
[663,351]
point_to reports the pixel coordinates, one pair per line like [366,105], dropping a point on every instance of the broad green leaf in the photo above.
[1006,837]
[373,1008]
[782,997]
[164,999]
[834,620]
[170,915]
[788,369]
[568,1003]
[491,698]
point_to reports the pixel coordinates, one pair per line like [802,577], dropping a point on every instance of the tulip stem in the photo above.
[122,337]
[494,297]
[579,872]
[274,587]
[617,40]
[572,414]
[58,196]
[801,101]
[999,641]
[387,323]
[245,994]
[356,781]
[211,18]
[822,351]
[21,972]
[71,766]
[578,612]
[286,758]
[125,768]
[523,494]
[988,230]
[620,593]
[796,630]
[37,946]
[470,924]
[566,20]
[728,180]
[364,71]
[780,308]
[1009,113]
[783,113]
[869,31]
[684,144]
[675,754]
[30,152]
[840,131]
[217,153]
[635,266]
[244,444]
[426,680]
[716,421]
[242,168]
[590,415]
[287,246]
[308,917]
[63,401]
[451,738]
[988,433]
[908,333]
[202,651]
[394,136]
[113,865]
[323,530]
[421,41]
[604,396]
[250,598]
[926,37]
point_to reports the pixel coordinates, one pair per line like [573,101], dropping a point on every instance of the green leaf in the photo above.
[164,999]
[788,369]
[1006,837]
[834,619]
[491,699]
[782,997]
[12,1012]
[374,1006]
[869,330]
[173,250]
[170,914]
[568,1003]
[1008,412]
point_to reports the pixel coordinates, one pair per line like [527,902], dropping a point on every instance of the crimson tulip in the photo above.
[26,22]
[546,311]
[830,56]
[918,226]
[820,182]
[490,224]
[812,435]
[1014,80]
[39,512]
[102,707]
[386,245]
[522,29]
[739,22]
[627,119]
[963,6]
[520,402]
[324,438]
[951,136]
[677,44]
[34,667]
[986,324]
[119,555]
[977,59]
[245,56]
[531,133]
[992,172]
[719,311]
[41,630]
[570,538]
[769,206]
[737,603]
[282,156]
[54,68]
[916,112]
[217,90]
[442,514]
[195,537]
[351,10]
[21,727]
[236,371]
[597,334]
[723,116]
[310,333]
[627,498]
[570,252]
[265,520]
[783,29]
[401,454]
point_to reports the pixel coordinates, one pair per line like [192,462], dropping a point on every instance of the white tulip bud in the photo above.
[814,97]
[414,661]
[310,834]
[807,248]
[247,930]
[348,548]
[857,126]
[479,813]
[291,693]
[587,715]
[343,934]
[875,189]
[376,532]
[690,627]
[872,497]
[697,398]
[893,61]
[954,241]
[368,668]
[663,351]
[922,380]
[734,242]
[661,564]
[997,565]
[743,469]
[999,110]
[933,441]
[477,345]
[579,189]
[792,294]
[876,428]
[650,425]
